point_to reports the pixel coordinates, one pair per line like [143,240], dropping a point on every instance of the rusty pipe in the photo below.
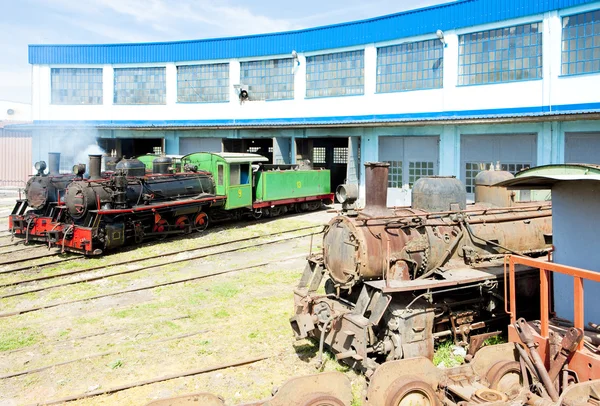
[525,335]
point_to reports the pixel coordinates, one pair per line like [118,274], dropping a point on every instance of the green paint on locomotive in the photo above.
[289,184]
[554,169]
[149,158]
[232,173]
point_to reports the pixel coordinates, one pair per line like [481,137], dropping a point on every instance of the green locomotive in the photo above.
[252,187]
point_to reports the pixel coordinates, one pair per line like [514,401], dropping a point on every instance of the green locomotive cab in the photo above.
[149,158]
[232,172]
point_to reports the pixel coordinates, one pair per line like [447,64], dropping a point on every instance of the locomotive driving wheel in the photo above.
[183,223]
[200,222]
[161,226]
[411,391]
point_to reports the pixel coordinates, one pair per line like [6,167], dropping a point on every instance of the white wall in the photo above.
[552,90]
[19,111]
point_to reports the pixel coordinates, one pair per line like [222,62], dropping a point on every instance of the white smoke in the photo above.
[82,157]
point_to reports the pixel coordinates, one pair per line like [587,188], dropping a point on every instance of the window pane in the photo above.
[338,74]
[581,43]
[509,54]
[203,83]
[76,85]
[140,86]
[268,80]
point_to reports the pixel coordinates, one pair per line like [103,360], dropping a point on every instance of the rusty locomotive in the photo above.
[396,280]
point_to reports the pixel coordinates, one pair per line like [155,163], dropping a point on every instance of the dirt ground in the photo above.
[117,340]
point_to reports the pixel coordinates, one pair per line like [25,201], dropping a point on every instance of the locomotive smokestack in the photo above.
[53,163]
[95,165]
[376,181]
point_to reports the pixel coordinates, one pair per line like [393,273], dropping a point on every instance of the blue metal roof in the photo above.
[367,120]
[458,14]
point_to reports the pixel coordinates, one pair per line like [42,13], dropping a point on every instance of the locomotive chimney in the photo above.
[376,181]
[53,163]
[95,164]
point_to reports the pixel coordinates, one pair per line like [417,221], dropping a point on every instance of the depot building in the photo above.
[443,90]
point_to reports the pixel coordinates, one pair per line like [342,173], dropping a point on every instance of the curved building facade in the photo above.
[444,90]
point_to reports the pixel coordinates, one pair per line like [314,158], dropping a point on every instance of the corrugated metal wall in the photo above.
[458,14]
[15,157]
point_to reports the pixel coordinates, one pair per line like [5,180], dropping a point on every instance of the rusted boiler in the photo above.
[397,279]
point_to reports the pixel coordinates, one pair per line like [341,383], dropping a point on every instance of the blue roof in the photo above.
[458,14]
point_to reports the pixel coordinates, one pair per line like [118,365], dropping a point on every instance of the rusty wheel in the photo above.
[410,391]
[200,222]
[505,377]
[161,226]
[320,399]
[183,223]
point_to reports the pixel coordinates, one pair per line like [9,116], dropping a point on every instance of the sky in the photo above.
[110,21]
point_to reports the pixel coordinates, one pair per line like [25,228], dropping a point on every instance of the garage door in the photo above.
[410,158]
[514,152]
[191,145]
[582,148]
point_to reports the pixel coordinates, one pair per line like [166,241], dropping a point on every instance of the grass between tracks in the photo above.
[238,315]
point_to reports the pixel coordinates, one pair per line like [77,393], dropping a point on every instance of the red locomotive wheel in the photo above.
[183,223]
[201,221]
[161,226]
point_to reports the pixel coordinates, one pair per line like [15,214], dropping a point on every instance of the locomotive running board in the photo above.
[452,277]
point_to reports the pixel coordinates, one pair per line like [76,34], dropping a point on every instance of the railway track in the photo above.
[27,259]
[137,260]
[200,256]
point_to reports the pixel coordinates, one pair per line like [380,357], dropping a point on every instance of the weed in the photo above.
[225,290]
[116,364]
[445,356]
[221,314]
[18,338]
[494,340]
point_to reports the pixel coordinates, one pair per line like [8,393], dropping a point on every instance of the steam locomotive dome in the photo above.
[131,167]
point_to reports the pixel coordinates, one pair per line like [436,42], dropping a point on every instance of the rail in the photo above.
[545,267]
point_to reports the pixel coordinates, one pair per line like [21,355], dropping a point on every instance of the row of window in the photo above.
[499,55]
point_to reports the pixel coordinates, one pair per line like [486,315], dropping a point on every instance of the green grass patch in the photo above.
[445,356]
[225,290]
[18,338]
[221,314]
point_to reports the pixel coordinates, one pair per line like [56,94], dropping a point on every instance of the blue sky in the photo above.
[107,21]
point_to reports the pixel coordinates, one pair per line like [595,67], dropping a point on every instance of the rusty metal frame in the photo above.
[545,268]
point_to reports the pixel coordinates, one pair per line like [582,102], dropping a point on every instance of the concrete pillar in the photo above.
[558,143]
[551,55]
[300,78]
[369,153]
[44,93]
[171,83]
[108,85]
[370,69]
[234,79]
[545,144]
[449,152]
[281,150]
[354,162]
[450,70]
[171,143]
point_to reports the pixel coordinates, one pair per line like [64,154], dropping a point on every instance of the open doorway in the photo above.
[329,153]
[130,147]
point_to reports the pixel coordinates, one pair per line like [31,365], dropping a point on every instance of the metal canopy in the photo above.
[237,157]
[543,182]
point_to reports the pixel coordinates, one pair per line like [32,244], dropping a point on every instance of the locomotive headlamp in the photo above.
[79,169]
[346,193]
[40,167]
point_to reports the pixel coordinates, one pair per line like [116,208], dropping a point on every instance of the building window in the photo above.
[581,43]
[473,168]
[395,174]
[76,85]
[140,86]
[502,55]
[268,80]
[339,74]
[419,169]
[319,155]
[412,66]
[340,155]
[203,83]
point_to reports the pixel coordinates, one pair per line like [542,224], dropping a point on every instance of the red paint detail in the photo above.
[161,206]
[259,205]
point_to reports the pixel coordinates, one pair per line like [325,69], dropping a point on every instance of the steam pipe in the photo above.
[95,166]
[53,163]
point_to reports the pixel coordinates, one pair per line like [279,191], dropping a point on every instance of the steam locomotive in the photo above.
[130,204]
[396,280]
[31,215]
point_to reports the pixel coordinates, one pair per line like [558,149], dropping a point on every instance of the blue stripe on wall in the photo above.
[332,120]
[458,14]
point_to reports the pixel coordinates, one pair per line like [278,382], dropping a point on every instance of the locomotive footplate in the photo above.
[401,319]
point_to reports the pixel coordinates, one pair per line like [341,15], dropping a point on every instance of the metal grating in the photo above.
[319,155]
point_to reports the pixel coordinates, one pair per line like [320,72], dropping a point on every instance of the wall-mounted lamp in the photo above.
[296,61]
[440,35]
